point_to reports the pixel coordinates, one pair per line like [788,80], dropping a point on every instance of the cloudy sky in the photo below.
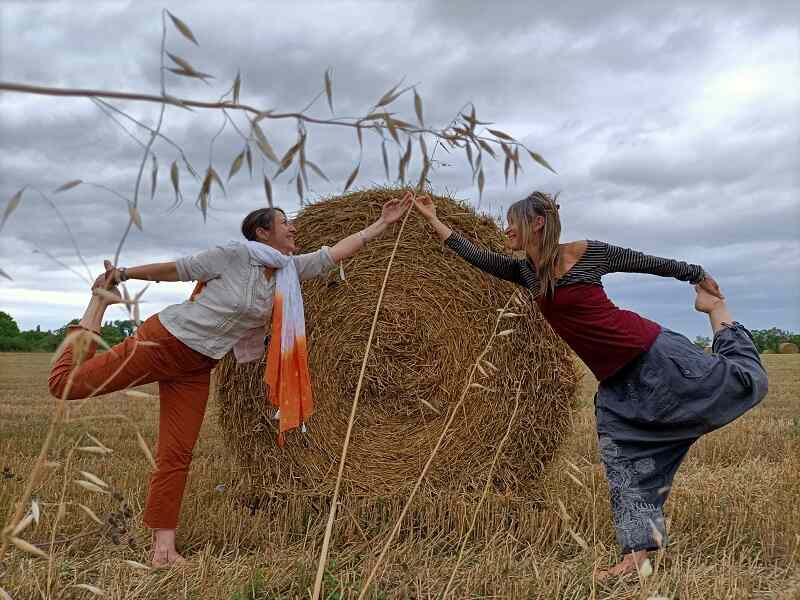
[674,128]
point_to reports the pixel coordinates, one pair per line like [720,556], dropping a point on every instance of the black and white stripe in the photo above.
[599,259]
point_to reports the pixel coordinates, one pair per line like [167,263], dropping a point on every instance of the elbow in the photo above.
[57,385]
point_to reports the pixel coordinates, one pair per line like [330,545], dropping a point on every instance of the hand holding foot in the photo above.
[714,307]
[105,286]
[706,302]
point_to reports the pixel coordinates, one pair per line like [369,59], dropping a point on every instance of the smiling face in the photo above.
[281,235]
[522,231]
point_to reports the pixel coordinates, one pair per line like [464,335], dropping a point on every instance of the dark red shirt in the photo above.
[604,336]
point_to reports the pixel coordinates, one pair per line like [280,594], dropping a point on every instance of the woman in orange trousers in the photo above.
[179,346]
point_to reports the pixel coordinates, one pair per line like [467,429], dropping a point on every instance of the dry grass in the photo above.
[735,519]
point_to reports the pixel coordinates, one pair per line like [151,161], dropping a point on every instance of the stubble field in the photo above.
[734,515]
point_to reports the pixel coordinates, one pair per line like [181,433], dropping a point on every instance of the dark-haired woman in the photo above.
[658,392]
[240,286]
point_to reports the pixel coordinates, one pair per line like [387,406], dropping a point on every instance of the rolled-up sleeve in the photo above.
[314,264]
[206,265]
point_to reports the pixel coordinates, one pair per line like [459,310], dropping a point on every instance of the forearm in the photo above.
[625,260]
[347,247]
[442,230]
[166,271]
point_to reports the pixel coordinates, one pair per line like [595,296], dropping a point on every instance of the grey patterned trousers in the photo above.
[652,411]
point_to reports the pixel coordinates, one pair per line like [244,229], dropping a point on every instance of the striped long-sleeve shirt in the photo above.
[599,259]
[603,335]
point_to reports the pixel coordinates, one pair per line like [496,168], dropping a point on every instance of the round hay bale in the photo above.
[436,317]
[787,348]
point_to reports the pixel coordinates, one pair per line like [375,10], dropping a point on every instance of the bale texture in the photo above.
[437,315]
[787,348]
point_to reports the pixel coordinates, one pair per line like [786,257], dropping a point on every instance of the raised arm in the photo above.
[202,266]
[392,211]
[625,260]
[498,265]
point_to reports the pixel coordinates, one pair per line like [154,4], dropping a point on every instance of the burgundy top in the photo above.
[604,336]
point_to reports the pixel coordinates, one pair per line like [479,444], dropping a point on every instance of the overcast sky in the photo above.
[674,128]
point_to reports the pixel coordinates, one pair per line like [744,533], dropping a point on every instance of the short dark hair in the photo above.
[261,217]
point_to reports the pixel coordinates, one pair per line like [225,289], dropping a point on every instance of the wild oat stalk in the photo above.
[485,492]
[332,514]
[468,386]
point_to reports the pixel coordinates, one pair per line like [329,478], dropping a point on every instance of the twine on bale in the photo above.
[329,527]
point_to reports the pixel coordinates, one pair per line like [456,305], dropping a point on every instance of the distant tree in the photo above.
[769,339]
[8,326]
[702,341]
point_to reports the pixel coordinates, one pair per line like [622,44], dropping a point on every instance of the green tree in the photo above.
[8,326]
[702,341]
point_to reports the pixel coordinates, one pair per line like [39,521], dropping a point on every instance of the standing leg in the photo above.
[639,480]
[183,405]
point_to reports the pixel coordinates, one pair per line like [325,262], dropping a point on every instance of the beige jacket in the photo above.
[237,299]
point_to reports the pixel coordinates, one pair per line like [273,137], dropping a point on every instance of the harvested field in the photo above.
[735,519]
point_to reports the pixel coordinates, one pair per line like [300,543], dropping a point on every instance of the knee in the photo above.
[175,458]
[760,384]
[57,384]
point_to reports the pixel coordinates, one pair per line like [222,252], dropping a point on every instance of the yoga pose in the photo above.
[658,392]
[240,286]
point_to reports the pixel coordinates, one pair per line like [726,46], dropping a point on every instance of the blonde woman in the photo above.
[245,288]
[658,392]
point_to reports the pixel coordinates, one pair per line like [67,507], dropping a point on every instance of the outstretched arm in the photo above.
[498,265]
[392,211]
[166,271]
[625,260]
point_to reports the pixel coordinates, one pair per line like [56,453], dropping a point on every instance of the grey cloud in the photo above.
[596,88]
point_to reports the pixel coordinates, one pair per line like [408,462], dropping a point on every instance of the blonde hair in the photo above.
[523,214]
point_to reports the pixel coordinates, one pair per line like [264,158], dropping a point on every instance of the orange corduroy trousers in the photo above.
[183,378]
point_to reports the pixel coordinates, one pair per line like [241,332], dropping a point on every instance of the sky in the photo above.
[674,128]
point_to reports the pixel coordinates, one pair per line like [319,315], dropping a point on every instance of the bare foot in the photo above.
[706,302]
[164,552]
[166,557]
[631,564]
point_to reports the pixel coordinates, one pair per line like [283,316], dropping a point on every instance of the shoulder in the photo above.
[576,249]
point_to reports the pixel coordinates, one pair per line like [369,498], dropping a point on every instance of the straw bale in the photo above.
[787,348]
[437,314]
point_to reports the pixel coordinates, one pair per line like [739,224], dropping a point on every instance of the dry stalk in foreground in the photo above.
[329,527]
[467,387]
[483,496]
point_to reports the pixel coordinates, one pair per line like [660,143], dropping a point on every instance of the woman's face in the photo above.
[514,240]
[281,236]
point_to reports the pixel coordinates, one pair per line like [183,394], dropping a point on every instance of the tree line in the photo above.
[12,339]
[766,340]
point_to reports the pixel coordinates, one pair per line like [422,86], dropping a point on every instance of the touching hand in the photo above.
[105,286]
[426,207]
[710,285]
[394,208]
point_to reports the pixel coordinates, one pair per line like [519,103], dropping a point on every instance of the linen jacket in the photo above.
[236,303]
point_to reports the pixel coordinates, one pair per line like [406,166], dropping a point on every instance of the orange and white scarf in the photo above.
[287,379]
[286,376]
